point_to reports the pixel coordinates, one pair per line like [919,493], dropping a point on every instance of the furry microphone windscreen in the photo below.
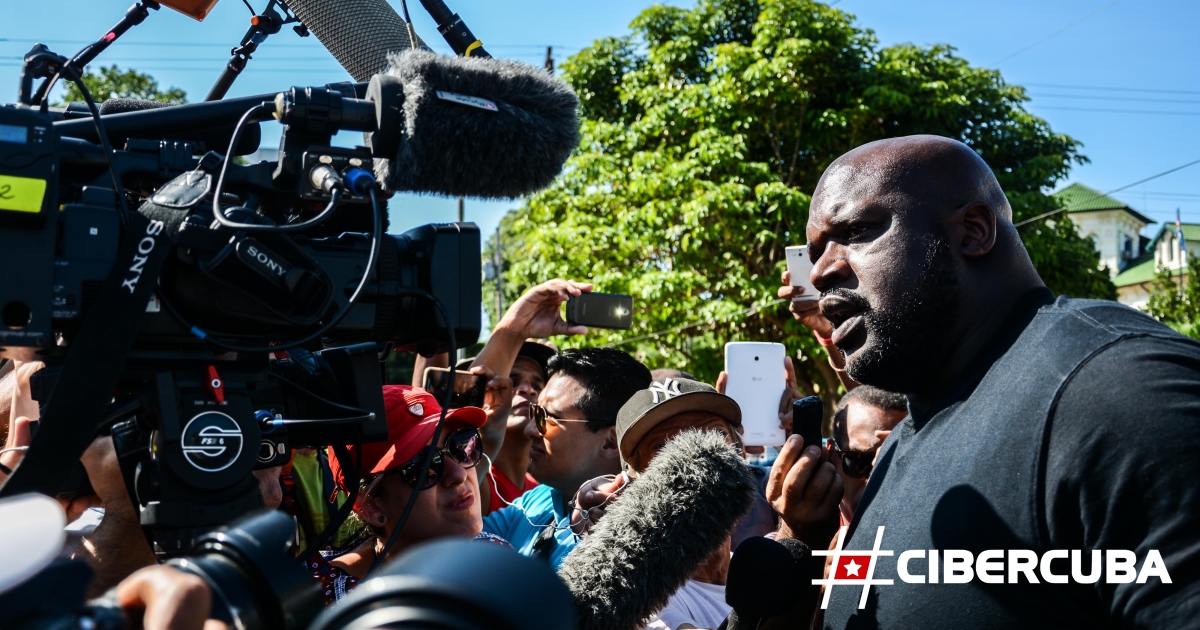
[122,105]
[512,143]
[658,532]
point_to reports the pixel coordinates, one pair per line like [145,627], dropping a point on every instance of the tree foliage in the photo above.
[1175,300]
[112,82]
[706,130]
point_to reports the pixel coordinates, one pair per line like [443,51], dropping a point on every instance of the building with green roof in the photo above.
[1116,228]
[1112,225]
[1163,251]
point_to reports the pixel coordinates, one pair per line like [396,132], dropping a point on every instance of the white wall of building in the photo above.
[1115,233]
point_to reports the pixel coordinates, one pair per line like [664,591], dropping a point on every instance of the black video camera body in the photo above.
[190,420]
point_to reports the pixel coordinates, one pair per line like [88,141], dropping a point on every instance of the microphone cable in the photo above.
[553,524]
[72,75]
[372,257]
[427,459]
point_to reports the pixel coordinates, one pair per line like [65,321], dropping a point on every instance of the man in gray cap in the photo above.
[653,416]
[645,424]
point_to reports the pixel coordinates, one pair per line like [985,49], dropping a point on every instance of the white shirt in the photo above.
[697,603]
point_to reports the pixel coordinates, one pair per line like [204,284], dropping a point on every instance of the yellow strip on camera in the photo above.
[22,194]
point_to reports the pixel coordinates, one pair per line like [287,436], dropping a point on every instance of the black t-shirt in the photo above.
[1078,429]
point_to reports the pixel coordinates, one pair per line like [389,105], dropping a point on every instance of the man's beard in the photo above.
[905,343]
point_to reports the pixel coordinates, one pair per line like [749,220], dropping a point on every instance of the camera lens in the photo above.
[256,581]
[755,358]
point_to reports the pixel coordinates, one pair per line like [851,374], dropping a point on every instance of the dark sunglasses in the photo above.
[856,464]
[464,446]
[541,418]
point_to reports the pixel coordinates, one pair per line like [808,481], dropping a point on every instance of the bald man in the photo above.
[1037,424]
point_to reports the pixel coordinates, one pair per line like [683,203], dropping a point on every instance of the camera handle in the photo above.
[83,389]
[262,25]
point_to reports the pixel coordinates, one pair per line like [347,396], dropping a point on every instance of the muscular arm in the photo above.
[1122,470]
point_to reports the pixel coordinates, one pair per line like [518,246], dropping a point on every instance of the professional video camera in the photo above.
[243,309]
[256,583]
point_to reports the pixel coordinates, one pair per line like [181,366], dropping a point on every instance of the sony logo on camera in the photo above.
[265,261]
[144,247]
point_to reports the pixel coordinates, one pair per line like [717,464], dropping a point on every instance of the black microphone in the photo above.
[454,30]
[661,529]
[770,585]
[360,34]
[762,576]
[486,128]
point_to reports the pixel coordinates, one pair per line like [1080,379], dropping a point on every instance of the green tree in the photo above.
[1175,300]
[704,133]
[112,82]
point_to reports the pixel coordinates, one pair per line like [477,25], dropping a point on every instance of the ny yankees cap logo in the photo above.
[669,388]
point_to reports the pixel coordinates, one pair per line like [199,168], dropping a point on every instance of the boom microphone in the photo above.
[486,128]
[360,33]
[660,530]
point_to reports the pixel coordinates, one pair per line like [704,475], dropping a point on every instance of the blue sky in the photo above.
[1142,53]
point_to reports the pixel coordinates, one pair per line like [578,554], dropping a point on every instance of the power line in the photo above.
[747,311]
[1056,33]
[1105,97]
[1112,89]
[230,44]
[1116,111]
[1098,195]
[1155,193]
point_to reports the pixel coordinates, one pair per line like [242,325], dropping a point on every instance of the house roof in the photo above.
[1191,232]
[1080,198]
[1139,270]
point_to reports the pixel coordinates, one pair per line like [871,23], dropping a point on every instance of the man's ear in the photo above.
[610,449]
[368,509]
[974,228]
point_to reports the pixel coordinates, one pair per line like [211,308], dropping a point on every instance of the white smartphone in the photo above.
[756,380]
[799,266]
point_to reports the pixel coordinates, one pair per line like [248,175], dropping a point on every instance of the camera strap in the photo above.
[94,364]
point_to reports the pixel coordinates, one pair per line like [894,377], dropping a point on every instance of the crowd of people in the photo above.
[979,412]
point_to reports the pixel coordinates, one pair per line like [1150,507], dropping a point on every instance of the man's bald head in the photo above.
[911,239]
[941,172]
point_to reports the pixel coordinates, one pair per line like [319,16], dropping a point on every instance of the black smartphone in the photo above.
[469,389]
[807,414]
[601,310]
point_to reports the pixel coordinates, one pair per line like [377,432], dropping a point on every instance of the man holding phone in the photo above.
[509,350]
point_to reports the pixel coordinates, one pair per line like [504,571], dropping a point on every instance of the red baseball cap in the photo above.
[412,416]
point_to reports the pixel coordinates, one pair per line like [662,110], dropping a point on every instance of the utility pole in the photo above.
[461,209]
[550,59]
[499,263]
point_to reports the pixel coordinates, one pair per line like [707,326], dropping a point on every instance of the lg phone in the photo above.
[469,389]
[799,268]
[756,380]
[601,310]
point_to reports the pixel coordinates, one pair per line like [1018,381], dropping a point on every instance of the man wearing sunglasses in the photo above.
[447,505]
[574,440]
[863,419]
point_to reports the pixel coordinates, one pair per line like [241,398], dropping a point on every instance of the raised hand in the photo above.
[805,489]
[807,312]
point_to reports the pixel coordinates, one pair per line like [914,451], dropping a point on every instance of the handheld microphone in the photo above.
[770,585]
[485,128]
[360,34]
[660,530]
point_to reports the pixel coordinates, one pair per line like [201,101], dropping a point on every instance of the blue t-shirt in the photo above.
[523,522]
